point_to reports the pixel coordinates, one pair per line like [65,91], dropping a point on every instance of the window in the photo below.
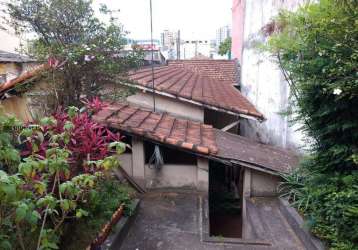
[170,155]
[2,78]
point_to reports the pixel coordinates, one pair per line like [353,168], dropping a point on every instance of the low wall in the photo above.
[171,176]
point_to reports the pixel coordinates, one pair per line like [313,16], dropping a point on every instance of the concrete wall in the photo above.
[202,181]
[126,163]
[261,80]
[260,184]
[170,105]
[169,176]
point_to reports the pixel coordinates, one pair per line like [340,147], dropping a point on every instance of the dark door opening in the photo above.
[225,200]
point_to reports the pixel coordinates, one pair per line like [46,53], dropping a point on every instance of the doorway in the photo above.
[225,200]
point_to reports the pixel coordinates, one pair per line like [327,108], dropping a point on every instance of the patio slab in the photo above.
[172,221]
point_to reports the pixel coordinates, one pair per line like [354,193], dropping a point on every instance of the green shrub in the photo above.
[39,191]
[109,195]
[317,49]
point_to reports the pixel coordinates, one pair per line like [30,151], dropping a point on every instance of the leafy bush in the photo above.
[317,49]
[101,206]
[63,160]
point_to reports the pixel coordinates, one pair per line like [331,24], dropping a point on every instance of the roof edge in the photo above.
[245,115]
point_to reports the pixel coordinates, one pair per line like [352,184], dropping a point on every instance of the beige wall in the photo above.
[170,105]
[16,106]
[169,176]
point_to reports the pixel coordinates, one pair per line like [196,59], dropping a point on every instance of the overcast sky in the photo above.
[197,19]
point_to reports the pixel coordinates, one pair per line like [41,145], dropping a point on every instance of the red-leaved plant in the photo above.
[87,140]
[94,105]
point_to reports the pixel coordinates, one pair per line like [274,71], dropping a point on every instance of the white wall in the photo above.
[170,105]
[262,81]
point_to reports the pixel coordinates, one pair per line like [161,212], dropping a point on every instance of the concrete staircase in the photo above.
[273,220]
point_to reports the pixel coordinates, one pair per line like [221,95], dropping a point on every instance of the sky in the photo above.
[196,19]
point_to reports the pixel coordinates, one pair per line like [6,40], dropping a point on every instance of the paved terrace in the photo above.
[172,220]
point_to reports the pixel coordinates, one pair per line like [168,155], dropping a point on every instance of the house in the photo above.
[12,92]
[262,81]
[205,89]
[183,130]
[12,65]
[195,107]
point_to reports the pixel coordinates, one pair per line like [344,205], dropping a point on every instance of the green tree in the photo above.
[317,49]
[225,47]
[88,49]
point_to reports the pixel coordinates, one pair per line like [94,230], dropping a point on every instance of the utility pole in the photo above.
[196,48]
[178,45]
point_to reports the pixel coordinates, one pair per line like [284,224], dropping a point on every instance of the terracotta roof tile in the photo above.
[206,87]
[239,149]
[23,77]
[224,70]
[162,127]
[197,138]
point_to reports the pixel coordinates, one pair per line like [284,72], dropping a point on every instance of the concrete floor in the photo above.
[172,220]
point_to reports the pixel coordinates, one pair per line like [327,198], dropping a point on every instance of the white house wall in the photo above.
[262,81]
[167,104]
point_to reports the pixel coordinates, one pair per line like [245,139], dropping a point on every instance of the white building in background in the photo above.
[168,39]
[221,34]
[191,49]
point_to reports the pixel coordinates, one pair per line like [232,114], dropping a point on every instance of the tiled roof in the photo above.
[188,85]
[23,77]
[196,137]
[239,149]
[12,57]
[223,70]
[161,127]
